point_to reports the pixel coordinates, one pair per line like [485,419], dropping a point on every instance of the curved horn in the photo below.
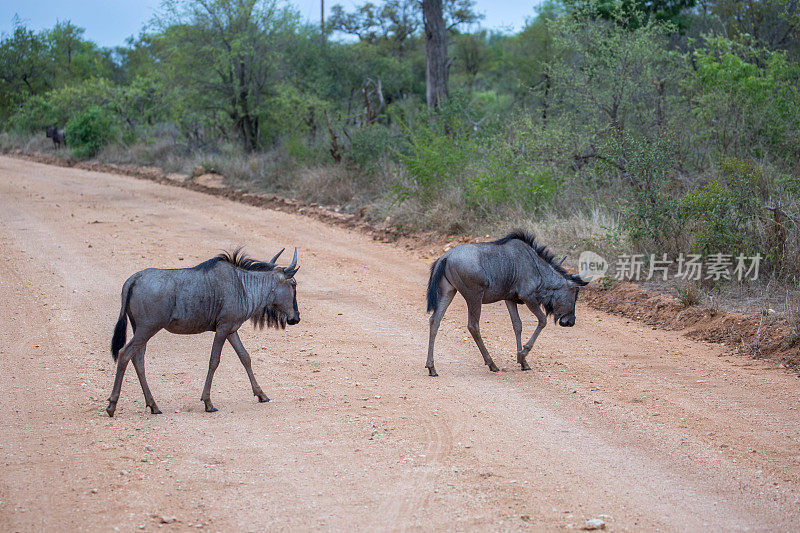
[294,261]
[562,260]
[272,261]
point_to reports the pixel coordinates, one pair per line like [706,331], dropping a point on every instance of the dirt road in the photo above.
[644,428]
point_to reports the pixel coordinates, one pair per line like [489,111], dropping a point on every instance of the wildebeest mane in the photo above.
[542,251]
[239,259]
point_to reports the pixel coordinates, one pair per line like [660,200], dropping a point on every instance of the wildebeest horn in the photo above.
[272,261]
[294,261]
[562,260]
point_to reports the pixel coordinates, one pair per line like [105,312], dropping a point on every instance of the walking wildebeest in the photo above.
[514,269]
[57,134]
[218,295]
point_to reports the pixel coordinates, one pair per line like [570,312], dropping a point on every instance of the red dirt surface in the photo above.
[643,426]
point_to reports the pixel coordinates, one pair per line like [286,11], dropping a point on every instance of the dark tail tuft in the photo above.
[437,271]
[120,334]
[121,329]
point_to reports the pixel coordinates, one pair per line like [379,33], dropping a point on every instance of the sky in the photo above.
[110,22]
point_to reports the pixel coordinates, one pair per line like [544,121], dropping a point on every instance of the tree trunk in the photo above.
[436,52]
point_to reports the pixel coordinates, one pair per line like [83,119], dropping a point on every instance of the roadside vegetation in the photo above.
[614,126]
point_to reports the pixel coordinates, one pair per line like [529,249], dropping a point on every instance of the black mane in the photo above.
[239,259]
[542,251]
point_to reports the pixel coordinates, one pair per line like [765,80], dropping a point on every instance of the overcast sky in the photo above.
[110,22]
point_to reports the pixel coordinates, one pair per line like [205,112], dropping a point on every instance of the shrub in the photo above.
[503,176]
[650,210]
[88,132]
[303,154]
[690,295]
[724,212]
[434,159]
[369,146]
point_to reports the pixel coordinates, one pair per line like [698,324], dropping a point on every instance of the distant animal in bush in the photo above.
[218,295]
[58,135]
[514,269]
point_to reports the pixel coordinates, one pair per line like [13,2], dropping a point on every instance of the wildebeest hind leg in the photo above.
[213,363]
[244,357]
[138,364]
[137,343]
[473,325]
[446,294]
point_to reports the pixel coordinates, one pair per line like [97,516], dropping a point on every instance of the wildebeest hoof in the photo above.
[525,366]
[112,406]
[262,398]
[155,410]
[210,407]
[432,371]
[493,367]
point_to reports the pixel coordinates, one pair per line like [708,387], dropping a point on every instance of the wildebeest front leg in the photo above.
[473,325]
[138,364]
[541,316]
[244,357]
[446,294]
[516,323]
[213,363]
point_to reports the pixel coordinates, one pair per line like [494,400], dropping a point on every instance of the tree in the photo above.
[437,70]
[637,12]
[396,22]
[228,53]
[611,76]
[25,67]
[773,24]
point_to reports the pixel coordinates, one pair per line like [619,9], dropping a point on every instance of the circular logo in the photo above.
[591,265]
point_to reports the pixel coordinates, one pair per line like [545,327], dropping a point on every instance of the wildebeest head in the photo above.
[285,297]
[562,304]
[50,131]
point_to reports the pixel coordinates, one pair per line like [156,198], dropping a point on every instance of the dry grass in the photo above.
[31,143]
[689,295]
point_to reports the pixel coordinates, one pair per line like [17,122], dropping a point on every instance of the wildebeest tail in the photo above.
[121,329]
[437,271]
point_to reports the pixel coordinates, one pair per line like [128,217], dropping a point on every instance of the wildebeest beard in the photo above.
[269,317]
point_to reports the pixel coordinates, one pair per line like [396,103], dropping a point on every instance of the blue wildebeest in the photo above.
[57,134]
[514,269]
[218,295]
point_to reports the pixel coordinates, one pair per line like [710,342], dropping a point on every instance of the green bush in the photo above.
[435,159]
[502,176]
[88,132]
[369,146]
[724,212]
[303,154]
[650,208]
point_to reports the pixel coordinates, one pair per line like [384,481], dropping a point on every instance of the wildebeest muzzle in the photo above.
[567,321]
